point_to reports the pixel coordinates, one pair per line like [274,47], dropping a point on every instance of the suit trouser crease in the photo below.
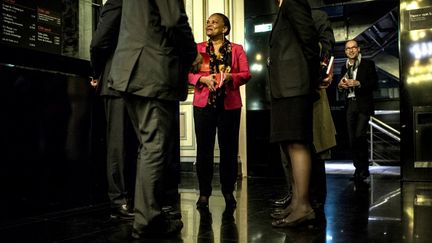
[226,123]
[155,123]
[115,136]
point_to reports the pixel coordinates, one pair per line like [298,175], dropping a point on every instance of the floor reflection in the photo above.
[228,227]
[205,231]
[417,211]
[381,210]
[305,235]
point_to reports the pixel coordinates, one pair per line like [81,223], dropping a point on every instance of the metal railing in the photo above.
[389,132]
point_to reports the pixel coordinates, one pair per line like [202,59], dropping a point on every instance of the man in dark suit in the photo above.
[154,54]
[358,82]
[119,174]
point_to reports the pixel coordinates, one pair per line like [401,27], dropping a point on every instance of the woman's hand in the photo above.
[228,77]
[209,81]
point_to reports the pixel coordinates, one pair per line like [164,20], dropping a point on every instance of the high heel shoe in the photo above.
[203,202]
[296,222]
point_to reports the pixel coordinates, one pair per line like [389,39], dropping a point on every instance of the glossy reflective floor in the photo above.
[385,210]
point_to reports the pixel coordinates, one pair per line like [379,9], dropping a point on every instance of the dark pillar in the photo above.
[416,90]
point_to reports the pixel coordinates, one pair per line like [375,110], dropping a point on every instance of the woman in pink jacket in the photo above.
[217,107]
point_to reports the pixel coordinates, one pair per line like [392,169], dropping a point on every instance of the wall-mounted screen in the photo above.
[46,34]
[32,24]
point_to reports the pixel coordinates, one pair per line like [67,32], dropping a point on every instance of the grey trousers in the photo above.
[119,169]
[156,124]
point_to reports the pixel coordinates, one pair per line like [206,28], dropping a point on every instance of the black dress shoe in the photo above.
[282,202]
[171,212]
[230,202]
[122,212]
[364,175]
[159,228]
[361,186]
[354,176]
[360,175]
[203,202]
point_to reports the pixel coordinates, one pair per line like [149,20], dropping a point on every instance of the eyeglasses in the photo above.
[351,48]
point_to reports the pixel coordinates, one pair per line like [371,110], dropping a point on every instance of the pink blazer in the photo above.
[240,75]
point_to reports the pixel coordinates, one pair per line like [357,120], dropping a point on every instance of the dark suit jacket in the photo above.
[104,42]
[294,51]
[326,36]
[155,50]
[368,78]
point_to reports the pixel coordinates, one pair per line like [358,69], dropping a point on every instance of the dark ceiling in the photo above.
[374,24]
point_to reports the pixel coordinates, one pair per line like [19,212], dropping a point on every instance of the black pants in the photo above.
[226,123]
[121,151]
[318,181]
[357,124]
[156,124]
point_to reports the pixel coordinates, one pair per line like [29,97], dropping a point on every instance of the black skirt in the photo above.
[291,119]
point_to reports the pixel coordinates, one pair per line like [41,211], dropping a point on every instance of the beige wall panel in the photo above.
[187,132]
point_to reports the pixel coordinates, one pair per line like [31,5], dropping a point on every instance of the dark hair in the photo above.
[226,22]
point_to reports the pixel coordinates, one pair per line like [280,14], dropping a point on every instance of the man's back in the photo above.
[155,46]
